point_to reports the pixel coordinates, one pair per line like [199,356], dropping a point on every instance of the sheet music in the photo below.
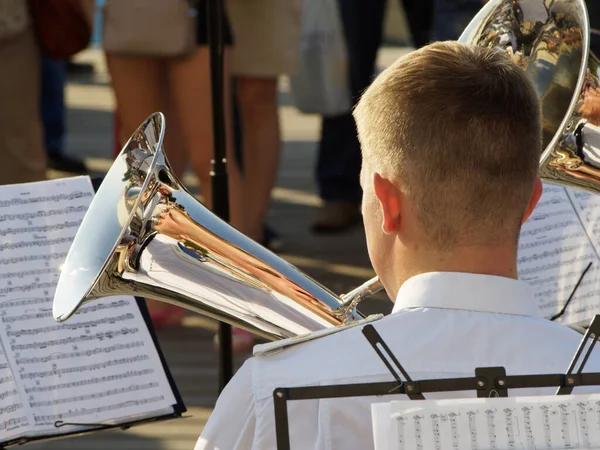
[101,365]
[551,422]
[587,206]
[554,250]
[13,416]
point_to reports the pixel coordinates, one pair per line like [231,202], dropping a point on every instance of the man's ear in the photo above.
[535,197]
[389,199]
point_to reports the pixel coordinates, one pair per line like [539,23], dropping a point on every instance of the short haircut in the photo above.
[458,127]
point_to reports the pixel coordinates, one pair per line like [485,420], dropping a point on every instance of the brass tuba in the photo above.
[146,235]
[550,40]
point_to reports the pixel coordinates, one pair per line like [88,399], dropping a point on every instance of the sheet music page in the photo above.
[13,415]
[554,251]
[99,366]
[552,422]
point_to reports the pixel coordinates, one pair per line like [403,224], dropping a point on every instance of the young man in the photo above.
[451,140]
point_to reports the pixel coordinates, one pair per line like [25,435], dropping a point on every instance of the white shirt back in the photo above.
[443,325]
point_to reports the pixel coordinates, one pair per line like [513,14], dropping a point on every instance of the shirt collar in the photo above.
[467,291]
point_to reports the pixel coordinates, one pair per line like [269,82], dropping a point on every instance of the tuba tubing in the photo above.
[144,234]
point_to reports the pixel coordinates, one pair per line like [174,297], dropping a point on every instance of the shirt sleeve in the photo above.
[231,425]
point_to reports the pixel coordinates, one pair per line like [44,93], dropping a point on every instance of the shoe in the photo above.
[65,163]
[272,239]
[242,341]
[336,216]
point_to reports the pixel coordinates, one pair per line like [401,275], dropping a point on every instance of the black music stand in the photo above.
[220,189]
[488,382]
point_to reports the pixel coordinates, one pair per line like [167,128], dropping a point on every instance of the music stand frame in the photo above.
[219,178]
[488,382]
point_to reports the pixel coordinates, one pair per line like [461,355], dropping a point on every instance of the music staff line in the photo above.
[70,327]
[547,215]
[101,335]
[94,396]
[54,198]
[26,273]
[83,310]
[30,258]
[550,253]
[9,393]
[51,418]
[79,354]
[556,265]
[28,287]
[67,224]
[13,423]
[89,381]
[35,243]
[43,213]
[84,368]
[555,226]
[554,279]
[548,241]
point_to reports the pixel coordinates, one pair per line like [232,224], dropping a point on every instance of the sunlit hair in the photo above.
[458,128]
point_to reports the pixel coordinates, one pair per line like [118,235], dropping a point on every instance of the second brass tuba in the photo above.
[550,40]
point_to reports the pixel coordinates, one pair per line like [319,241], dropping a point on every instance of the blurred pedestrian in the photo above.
[593,7]
[451,17]
[339,157]
[21,146]
[53,111]
[177,84]
[267,35]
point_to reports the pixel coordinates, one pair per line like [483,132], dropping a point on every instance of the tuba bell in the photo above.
[144,234]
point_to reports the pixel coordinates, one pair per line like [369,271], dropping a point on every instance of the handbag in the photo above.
[321,85]
[159,28]
[63,27]
[14,18]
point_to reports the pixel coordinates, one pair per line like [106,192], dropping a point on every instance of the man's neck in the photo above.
[490,260]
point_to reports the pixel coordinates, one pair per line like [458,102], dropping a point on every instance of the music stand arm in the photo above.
[219,178]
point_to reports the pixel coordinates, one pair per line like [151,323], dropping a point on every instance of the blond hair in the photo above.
[458,127]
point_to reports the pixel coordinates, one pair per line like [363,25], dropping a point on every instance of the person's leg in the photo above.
[451,17]
[190,86]
[419,15]
[137,97]
[593,7]
[53,116]
[261,140]
[339,160]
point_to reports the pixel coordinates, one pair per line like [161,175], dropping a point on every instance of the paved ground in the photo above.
[339,262]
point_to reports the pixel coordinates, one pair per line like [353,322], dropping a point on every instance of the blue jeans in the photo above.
[451,17]
[53,104]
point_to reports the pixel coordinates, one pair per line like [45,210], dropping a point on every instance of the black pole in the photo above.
[220,189]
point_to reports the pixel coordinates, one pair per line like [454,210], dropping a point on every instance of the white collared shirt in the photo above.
[443,325]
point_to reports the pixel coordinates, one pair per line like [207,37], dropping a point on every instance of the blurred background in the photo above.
[294,69]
